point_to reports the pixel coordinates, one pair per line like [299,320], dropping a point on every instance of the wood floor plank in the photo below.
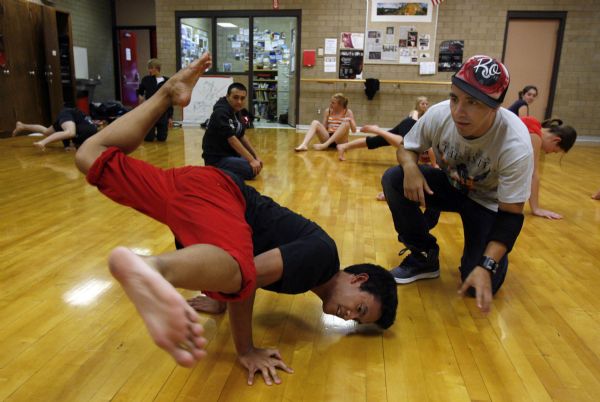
[68,332]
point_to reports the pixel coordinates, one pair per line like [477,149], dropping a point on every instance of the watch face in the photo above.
[489,264]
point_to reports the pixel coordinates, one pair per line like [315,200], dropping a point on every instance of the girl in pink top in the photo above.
[549,136]
[335,128]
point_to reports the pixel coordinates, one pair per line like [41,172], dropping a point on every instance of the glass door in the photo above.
[273,75]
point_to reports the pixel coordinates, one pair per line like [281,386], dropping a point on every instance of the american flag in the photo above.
[436,2]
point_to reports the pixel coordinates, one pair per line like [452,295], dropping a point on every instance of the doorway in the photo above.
[532,47]
[273,71]
[136,46]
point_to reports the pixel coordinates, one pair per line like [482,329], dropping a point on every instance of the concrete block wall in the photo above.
[481,24]
[91,23]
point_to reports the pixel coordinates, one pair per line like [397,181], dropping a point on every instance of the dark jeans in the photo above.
[413,226]
[234,164]
[160,129]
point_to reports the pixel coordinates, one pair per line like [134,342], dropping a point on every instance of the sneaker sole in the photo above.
[425,275]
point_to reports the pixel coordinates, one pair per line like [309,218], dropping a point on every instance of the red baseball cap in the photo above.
[484,78]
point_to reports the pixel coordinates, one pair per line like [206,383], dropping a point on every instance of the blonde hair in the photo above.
[418,102]
[154,63]
[341,99]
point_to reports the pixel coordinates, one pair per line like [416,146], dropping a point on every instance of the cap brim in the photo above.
[480,96]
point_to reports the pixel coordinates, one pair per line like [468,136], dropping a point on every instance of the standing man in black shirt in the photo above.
[147,88]
[224,144]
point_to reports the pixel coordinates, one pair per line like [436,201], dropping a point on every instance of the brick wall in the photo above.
[481,24]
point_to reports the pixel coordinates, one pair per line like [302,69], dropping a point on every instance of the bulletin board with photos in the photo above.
[194,43]
[400,32]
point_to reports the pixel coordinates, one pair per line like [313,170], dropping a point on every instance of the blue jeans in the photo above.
[234,164]
[413,228]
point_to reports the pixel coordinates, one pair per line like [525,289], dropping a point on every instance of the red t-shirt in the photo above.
[533,125]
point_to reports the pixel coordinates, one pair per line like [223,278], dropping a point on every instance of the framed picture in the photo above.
[401,11]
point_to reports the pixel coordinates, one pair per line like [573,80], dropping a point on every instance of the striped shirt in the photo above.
[334,121]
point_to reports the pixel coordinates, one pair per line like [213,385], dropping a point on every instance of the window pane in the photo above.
[232,45]
[195,38]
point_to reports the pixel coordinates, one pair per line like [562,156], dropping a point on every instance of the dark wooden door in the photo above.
[7,107]
[52,61]
[37,65]
[24,75]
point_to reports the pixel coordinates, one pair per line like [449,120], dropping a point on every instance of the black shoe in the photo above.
[418,265]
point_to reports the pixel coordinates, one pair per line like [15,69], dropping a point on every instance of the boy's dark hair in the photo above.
[236,85]
[382,286]
[567,134]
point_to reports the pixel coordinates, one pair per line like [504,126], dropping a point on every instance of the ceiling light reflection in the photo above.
[226,25]
[141,251]
[86,292]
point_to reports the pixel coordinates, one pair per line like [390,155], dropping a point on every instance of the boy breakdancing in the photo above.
[215,217]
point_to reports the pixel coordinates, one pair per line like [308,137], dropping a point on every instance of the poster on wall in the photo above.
[351,63]
[400,32]
[374,47]
[451,55]
[352,40]
[401,11]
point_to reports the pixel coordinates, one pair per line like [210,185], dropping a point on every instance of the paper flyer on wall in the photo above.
[329,64]
[352,40]
[330,45]
[374,47]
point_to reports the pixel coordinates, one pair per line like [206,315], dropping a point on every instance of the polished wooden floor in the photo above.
[68,333]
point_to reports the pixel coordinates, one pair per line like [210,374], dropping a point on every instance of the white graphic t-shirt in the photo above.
[495,167]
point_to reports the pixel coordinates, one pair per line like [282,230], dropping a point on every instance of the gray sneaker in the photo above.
[418,265]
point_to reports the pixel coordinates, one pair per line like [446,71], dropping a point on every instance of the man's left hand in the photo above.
[481,280]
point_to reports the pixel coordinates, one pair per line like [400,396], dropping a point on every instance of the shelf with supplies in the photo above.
[270,93]
[264,94]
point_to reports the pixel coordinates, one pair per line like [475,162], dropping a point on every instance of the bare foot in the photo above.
[17,129]
[320,147]
[301,148]
[341,151]
[180,85]
[171,322]
[596,196]
[205,304]
[380,197]
[40,145]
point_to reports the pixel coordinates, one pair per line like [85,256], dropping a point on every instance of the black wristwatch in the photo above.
[489,263]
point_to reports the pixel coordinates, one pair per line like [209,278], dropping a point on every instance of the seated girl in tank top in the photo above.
[335,128]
